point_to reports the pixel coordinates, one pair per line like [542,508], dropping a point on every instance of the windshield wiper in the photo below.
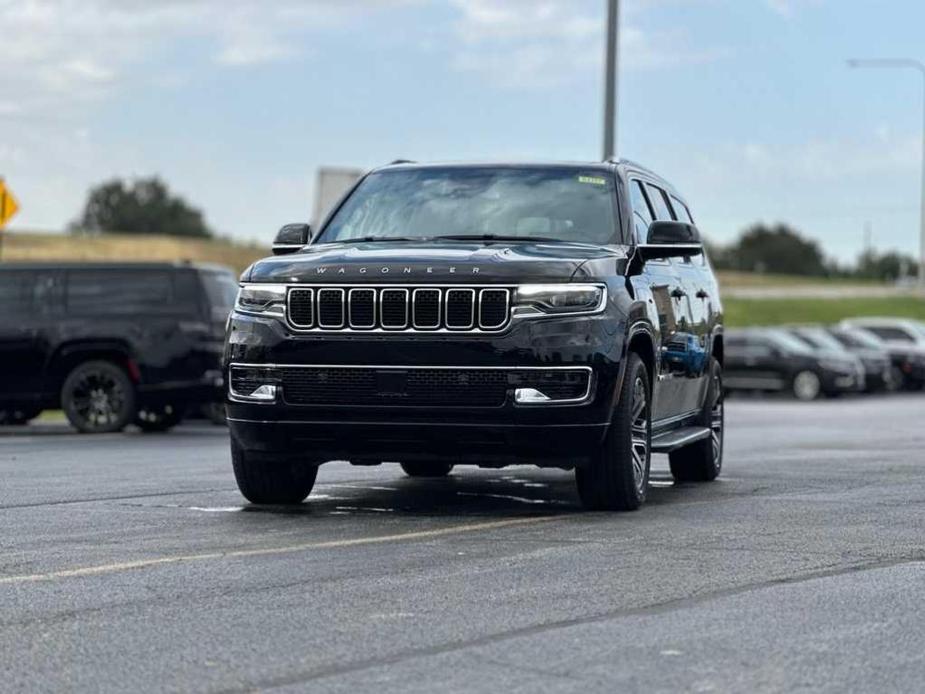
[374,239]
[497,237]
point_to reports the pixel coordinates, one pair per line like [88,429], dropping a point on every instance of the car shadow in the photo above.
[466,493]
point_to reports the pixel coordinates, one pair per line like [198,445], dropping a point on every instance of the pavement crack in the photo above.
[672,604]
[123,497]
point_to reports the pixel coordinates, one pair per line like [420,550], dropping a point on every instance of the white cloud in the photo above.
[63,53]
[538,43]
[789,8]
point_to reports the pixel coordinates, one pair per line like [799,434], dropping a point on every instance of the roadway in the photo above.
[130,562]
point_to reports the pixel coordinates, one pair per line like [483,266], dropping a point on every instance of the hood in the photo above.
[432,262]
[837,355]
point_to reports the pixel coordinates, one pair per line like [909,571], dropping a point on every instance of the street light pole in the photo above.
[610,79]
[917,65]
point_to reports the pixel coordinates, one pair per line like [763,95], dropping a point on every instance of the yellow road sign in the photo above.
[8,204]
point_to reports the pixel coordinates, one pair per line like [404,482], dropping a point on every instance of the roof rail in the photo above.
[401,161]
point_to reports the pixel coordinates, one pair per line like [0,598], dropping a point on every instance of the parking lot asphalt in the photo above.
[130,562]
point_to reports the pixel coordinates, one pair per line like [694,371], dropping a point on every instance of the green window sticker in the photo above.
[593,180]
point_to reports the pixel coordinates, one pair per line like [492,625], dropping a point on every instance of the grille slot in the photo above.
[460,309]
[424,387]
[362,308]
[394,308]
[493,308]
[399,308]
[331,307]
[426,308]
[302,307]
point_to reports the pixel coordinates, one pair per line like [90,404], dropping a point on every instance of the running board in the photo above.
[678,438]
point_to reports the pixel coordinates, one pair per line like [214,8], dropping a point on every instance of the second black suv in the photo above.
[111,343]
[562,315]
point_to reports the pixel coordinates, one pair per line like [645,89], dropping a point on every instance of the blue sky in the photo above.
[746,105]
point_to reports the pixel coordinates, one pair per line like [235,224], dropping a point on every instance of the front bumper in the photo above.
[842,381]
[544,434]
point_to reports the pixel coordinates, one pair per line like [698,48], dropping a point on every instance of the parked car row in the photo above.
[112,344]
[812,361]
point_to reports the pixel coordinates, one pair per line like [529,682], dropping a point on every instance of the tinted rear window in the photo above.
[119,291]
[29,291]
[221,291]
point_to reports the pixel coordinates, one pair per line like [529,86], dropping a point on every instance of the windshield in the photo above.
[817,337]
[556,203]
[860,338]
[788,342]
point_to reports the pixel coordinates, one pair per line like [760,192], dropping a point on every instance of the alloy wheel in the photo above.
[98,399]
[640,434]
[806,386]
[717,421]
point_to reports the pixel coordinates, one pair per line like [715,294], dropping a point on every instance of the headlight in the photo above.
[836,365]
[559,298]
[262,299]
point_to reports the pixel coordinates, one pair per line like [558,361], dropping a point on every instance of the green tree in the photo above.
[888,266]
[776,249]
[142,206]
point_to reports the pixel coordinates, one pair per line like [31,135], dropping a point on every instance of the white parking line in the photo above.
[286,549]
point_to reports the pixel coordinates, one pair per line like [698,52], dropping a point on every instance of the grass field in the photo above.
[748,312]
[733,279]
[22,246]
[740,311]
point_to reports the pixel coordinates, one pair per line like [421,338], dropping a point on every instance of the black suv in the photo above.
[562,315]
[111,343]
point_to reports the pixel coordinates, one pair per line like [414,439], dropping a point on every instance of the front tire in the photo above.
[98,397]
[807,386]
[269,481]
[427,469]
[617,477]
[702,460]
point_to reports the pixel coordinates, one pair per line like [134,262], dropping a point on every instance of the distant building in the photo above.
[331,182]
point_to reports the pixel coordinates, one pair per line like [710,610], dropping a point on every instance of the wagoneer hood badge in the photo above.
[453,262]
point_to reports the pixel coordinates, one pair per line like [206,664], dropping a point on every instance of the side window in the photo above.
[759,348]
[119,291]
[31,292]
[659,203]
[16,288]
[642,215]
[683,214]
[681,211]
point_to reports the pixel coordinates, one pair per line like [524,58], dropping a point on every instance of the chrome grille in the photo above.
[391,308]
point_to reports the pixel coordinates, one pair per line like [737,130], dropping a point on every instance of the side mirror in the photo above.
[671,240]
[291,237]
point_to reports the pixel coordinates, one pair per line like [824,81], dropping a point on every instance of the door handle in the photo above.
[703,294]
[678,293]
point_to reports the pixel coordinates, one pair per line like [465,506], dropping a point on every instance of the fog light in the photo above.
[264,393]
[253,384]
[530,396]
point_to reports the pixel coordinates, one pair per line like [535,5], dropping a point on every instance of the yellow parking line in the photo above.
[286,549]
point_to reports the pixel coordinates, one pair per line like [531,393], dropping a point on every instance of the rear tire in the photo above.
[271,482]
[156,419]
[98,397]
[702,461]
[617,477]
[427,469]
